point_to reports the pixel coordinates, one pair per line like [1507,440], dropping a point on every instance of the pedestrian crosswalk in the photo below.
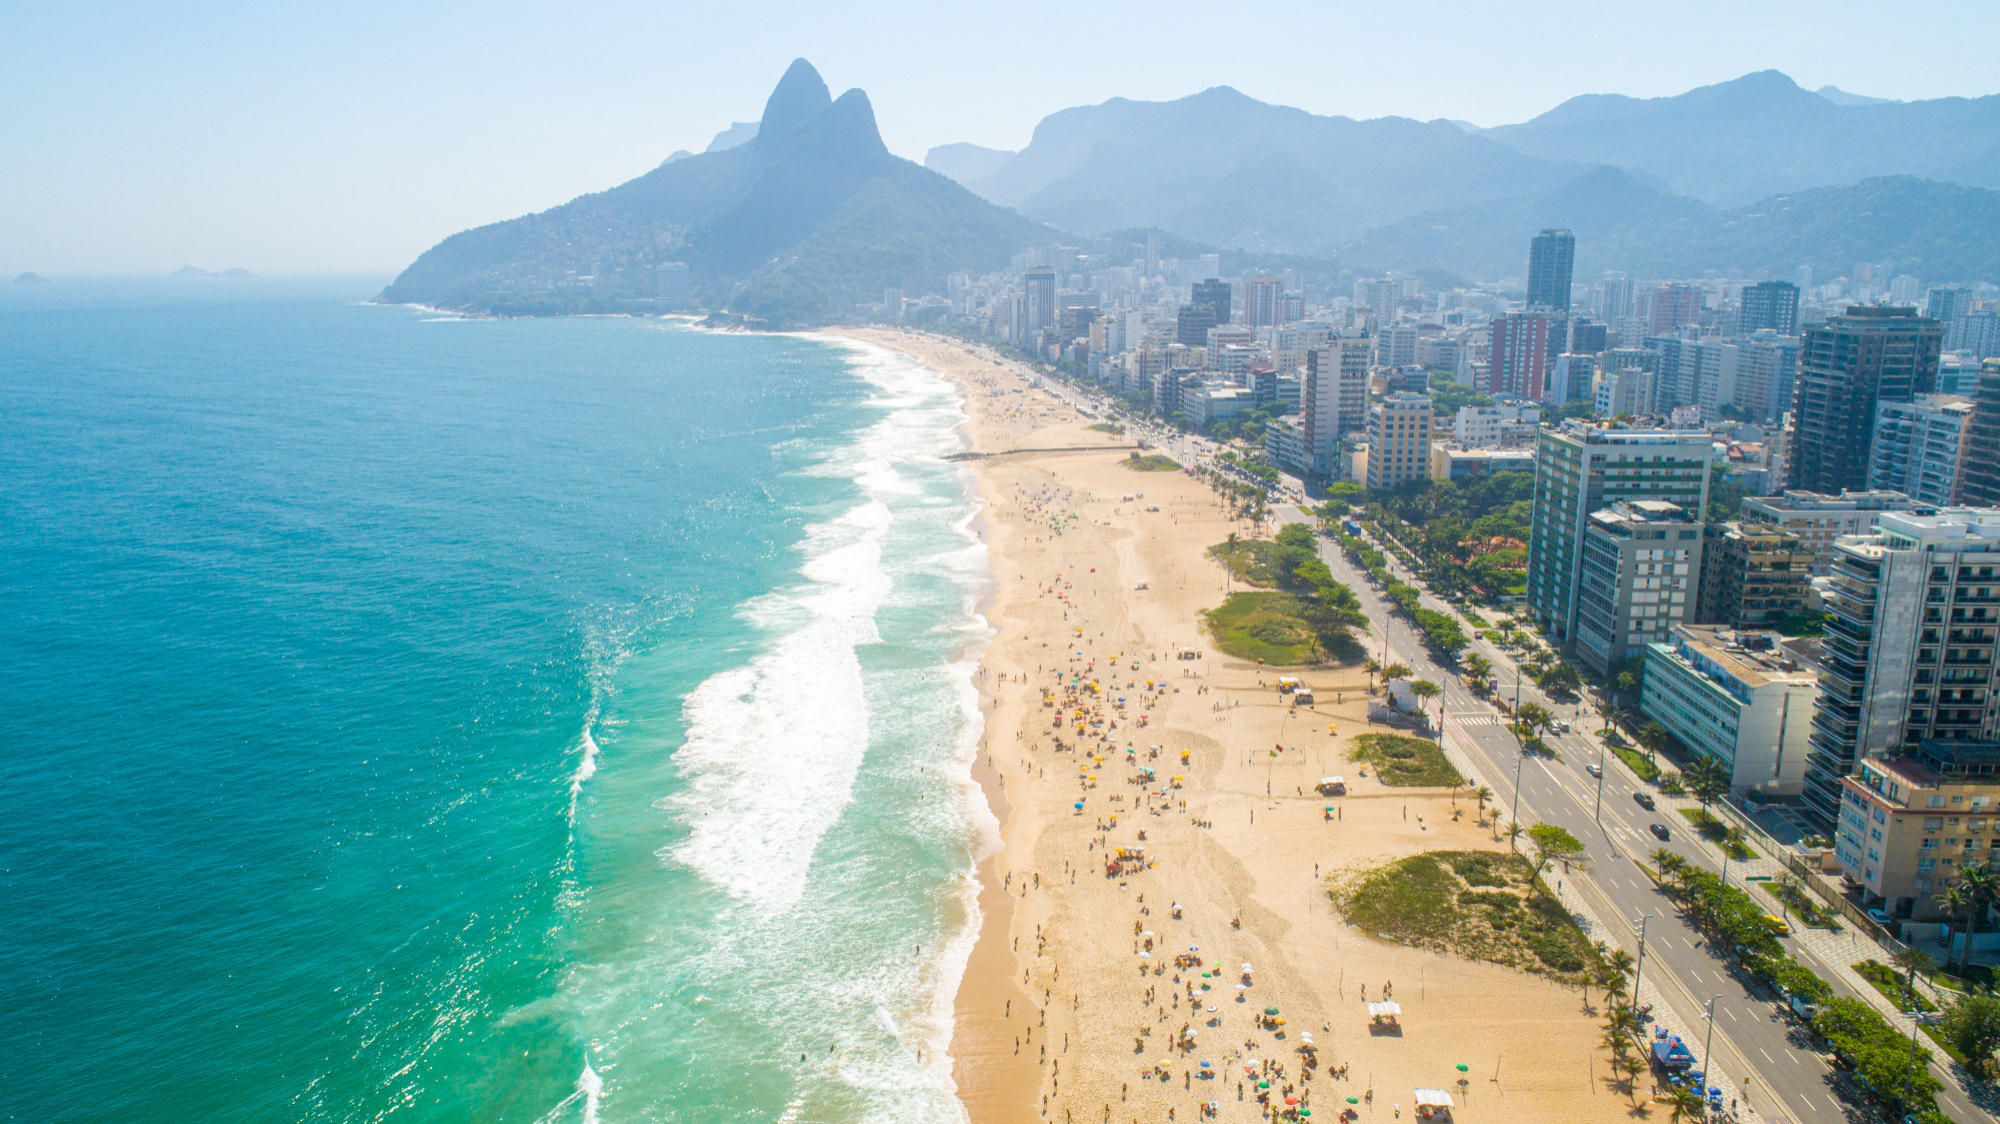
[1476,719]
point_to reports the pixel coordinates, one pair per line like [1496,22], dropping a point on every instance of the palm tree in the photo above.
[1981,882]
[1956,900]
[1484,796]
[1514,833]
[1684,1102]
[1912,961]
[1619,962]
[1653,737]
[1478,666]
[1707,778]
[1669,864]
[1615,988]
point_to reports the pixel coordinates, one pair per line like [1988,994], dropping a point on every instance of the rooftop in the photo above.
[1752,658]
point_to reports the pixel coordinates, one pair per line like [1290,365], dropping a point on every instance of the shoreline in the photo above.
[1102,618]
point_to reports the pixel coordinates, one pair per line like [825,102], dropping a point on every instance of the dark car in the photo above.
[1660,830]
[1645,800]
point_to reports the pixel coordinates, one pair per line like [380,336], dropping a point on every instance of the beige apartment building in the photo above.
[1909,825]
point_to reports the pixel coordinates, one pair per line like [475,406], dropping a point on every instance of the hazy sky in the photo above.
[295,138]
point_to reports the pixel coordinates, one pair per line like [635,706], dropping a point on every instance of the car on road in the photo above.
[1660,831]
[1562,727]
[1594,769]
[1880,918]
[1645,800]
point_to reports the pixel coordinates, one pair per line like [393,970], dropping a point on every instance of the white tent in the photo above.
[1390,1009]
[1434,1098]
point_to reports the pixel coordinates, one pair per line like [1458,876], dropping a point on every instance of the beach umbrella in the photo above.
[1354,1100]
[1461,1067]
[1246,965]
[1144,955]
[1305,1112]
[1291,1100]
[1270,1010]
[1263,1084]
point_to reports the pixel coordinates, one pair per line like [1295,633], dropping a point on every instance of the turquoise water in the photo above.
[419,719]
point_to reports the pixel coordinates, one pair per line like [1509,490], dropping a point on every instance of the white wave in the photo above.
[773,747]
[586,766]
[588,1092]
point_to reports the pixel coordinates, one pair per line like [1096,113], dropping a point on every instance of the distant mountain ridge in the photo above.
[1932,230]
[1761,134]
[796,224]
[1225,168]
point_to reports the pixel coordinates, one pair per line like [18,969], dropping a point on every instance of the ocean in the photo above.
[412,718]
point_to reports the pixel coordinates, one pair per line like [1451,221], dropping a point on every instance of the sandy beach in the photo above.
[1102,577]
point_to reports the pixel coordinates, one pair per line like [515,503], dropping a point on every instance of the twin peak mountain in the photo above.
[809,218]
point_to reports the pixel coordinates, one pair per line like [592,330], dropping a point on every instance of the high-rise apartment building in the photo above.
[1626,390]
[1909,824]
[1753,575]
[1582,468]
[1396,345]
[1378,298]
[1518,356]
[1767,368]
[1950,305]
[1769,306]
[1917,448]
[1737,697]
[1912,614]
[1572,378]
[1399,440]
[1334,397]
[1847,365]
[1640,563]
[1213,295]
[1979,475]
[1551,267]
[1614,298]
[1260,302]
[1668,308]
[1587,337]
[1714,366]
[1040,286]
[1192,324]
[1820,521]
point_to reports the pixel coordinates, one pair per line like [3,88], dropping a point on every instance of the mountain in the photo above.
[1838,96]
[1762,135]
[795,225]
[738,132]
[966,162]
[1937,231]
[1225,168]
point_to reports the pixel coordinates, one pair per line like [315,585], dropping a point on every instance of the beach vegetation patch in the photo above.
[1271,627]
[1477,904]
[1403,762]
[1108,427]
[1151,462]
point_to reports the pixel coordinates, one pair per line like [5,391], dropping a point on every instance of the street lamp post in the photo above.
[1706,1040]
[1639,971]
[1521,758]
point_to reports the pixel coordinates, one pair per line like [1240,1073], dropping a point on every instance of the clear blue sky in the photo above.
[295,138]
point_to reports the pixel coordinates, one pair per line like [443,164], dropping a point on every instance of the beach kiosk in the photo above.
[1332,786]
[1383,1015]
[1433,1104]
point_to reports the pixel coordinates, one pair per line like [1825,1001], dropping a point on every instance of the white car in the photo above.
[1594,769]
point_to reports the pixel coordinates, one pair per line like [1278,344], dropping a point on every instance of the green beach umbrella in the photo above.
[1461,1067]
[1354,1100]
[1270,1010]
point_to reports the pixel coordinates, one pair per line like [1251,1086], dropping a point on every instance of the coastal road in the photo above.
[1790,1081]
